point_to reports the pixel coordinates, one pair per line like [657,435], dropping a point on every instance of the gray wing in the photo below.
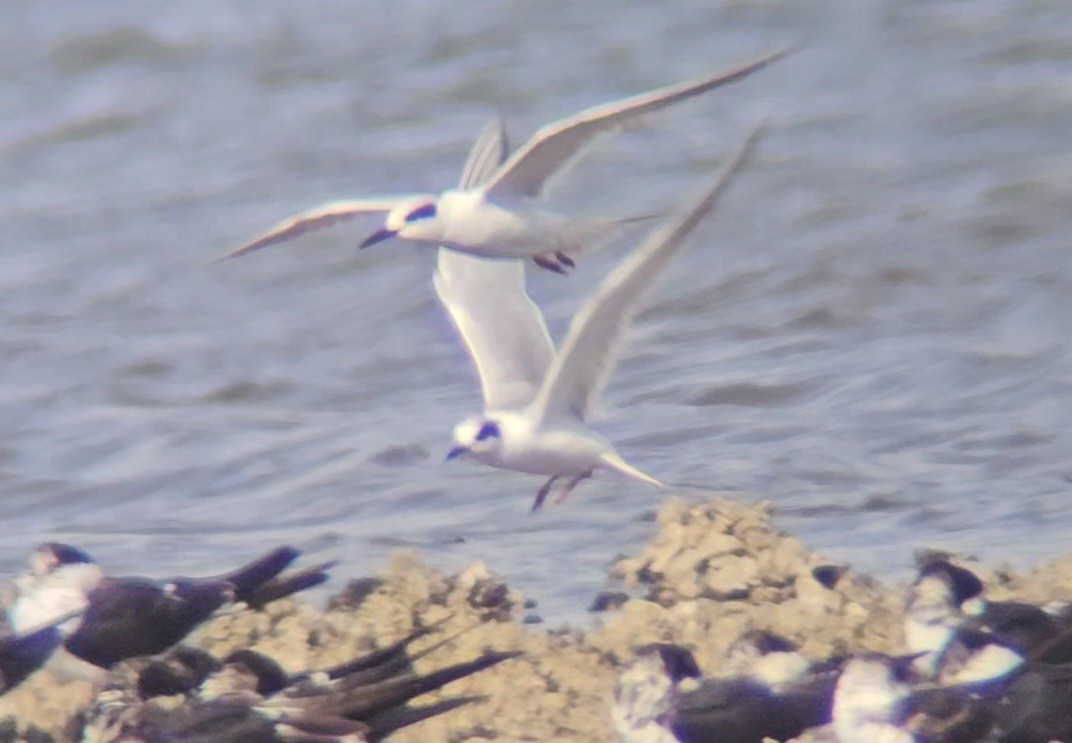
[320,217]
[501,326]
[553,147]
[589,352]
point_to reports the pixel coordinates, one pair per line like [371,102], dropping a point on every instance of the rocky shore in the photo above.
[711,571]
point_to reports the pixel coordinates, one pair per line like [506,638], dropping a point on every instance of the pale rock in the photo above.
[472,575]
[733,579]
[716,544]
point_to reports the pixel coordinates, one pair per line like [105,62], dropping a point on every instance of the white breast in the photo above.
[42,599]
[490,230]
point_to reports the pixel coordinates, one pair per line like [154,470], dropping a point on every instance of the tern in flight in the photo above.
[536,401]
[501,218]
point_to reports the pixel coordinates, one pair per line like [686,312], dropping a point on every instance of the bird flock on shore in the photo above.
[973,670]
[123,634]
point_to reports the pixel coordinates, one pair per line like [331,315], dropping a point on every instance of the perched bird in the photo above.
[828,576]
[183,669]
[773,693]
[500,218]
[1035,700]
[963,639]
[869,700]
[878,699]
[646,691]
[123,617]
[767,657]
[536,402]
[933,614]
[248,696]
[948,597]
[978,660]
[178,670]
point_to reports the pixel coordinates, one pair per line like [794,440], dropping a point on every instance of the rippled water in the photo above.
[873,332]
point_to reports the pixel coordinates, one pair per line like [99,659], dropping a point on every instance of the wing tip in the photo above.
[316,218]
[240,251]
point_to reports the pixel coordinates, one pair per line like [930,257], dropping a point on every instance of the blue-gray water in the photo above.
[873,332]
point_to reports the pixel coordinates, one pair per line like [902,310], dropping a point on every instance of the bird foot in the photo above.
[541,495]
[552,262]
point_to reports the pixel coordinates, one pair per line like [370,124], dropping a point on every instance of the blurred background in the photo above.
[873,332]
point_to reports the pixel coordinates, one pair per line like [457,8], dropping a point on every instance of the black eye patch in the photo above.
[66,554]
[421,212]
[488,430]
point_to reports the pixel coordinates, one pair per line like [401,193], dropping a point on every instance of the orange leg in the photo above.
[548,261]
[541,494]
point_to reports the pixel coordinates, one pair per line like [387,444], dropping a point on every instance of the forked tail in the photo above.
[612,461]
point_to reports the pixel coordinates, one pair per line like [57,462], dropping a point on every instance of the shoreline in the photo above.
[712,570]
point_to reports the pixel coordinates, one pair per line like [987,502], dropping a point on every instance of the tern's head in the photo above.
[770,659]
[56,583]
[959,583]
[416,219]
[643,696]
[677,662]
[478,436]
[932,612]
[270,676]
[180,670]
[869,693]
[49,556]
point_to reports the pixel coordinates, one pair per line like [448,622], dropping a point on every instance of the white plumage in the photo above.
[501,217]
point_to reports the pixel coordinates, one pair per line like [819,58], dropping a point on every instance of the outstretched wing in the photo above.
[554,146]
[589,352]
[320,217]
[499,323]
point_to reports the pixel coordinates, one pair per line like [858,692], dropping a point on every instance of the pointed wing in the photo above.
[489,151]
[499,323]
[320,217]
[551,149]
[588,355]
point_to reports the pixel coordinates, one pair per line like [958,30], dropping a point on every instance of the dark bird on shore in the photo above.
[183,669]
[828,576]
[971,640]
[1021,625]
[125,617]
[248,696]
[953,648]
[978,660]
[776,694]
